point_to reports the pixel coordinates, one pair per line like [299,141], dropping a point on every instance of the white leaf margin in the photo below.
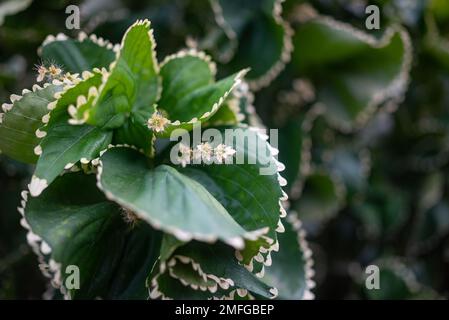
[7,107]
[219,282]
[237,81]
[395,91]
[155,293]
[50,269]
[296,223]
[286,52]
[264,254]
[82,36]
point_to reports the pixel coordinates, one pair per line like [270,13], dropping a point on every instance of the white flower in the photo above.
[223,152]
[42,72]
[54,71]
[203,152]
[69,78]
[185,154]
[157,122]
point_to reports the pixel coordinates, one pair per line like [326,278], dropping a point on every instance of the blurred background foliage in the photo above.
[362,118]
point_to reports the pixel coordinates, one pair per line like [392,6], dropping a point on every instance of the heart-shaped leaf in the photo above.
[76,56]
[166,198]
[353,72]
[132,83]
[78,227]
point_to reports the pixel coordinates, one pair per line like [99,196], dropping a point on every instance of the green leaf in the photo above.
[63,146]
[166,199]
[11,7]
[434,43]
[250,25]
[219,260]
[238,108]
[70,96]
[81,227]
[206,271]
[132,84]
[397,281]
[169,287]
[226,115]
[187,275]
[21,120]
[182,74]
[250,191]
[353,72]
[76,56]
[294,146]
[190,92]
[169,245]
[291,270]
[135,131]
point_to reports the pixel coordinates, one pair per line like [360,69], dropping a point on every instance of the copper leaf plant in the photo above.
[106,197]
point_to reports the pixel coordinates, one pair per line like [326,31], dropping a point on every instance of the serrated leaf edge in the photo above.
[264,254]
[82,36]
[296,223]
[52,269]
[286,52]
[306,151]
[155,293]
[237,80]
[395,91]
[223,283]
[113,64]
[7,107]
[192,52]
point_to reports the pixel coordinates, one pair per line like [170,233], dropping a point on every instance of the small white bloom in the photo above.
[203,152]
[158,122]
[54,71]
[185,155]
[42,72]
[69,78]
[223,152]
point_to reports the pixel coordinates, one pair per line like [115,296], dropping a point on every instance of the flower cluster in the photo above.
[55,73]
[204,153]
